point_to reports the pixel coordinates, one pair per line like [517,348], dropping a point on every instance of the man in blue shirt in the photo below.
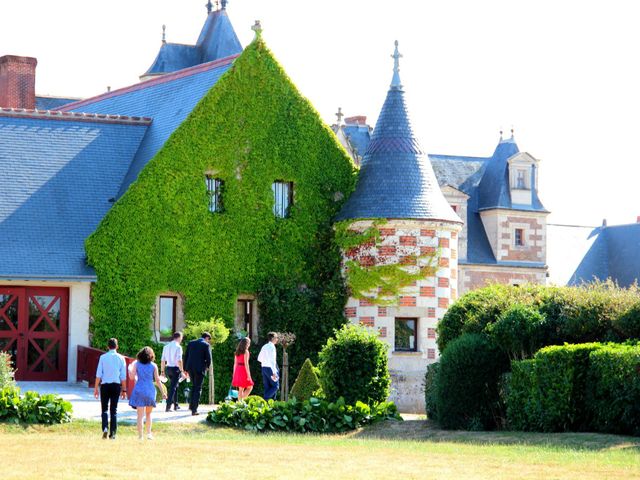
[111,377]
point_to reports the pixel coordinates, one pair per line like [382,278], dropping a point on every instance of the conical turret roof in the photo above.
[396,179]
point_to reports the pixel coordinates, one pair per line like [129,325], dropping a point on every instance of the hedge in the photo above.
[584,387]
[592,313]
[251,129]
[613,396]
[307,383]
[33,407]
[467,384]
[313,415]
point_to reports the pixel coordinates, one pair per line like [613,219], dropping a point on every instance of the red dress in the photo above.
[240,377]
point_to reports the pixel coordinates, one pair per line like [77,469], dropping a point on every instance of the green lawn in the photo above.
[409,449]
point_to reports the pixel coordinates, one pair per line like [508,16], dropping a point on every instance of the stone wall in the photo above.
[427,299]
[478,276]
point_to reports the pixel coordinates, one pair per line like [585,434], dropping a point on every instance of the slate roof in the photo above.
[59,172]
[396,180]
[359,137]
[167,99]
[44,102]
[217,40]
[613,254]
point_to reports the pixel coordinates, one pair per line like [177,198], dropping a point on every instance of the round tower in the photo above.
[402,268]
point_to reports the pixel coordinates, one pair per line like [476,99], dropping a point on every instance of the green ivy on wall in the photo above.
[379,284]
[252,128]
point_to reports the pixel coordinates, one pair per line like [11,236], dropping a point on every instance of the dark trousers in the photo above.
[173,373]
[109,395]
[196,390]
[270,386]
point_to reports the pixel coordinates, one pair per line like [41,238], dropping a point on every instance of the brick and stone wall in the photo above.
[427,299]
[500,226]
[478,276]
[18,82]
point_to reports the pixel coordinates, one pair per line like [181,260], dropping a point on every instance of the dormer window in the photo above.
[214,191]
[282,198]
[521,176]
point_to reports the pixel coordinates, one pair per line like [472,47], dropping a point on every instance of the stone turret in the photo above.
[398,194]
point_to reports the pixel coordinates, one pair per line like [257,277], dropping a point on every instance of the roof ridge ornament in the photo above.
[209,7]
[257,28]
[164,34]
[223,4]
[395,82]
[339,116]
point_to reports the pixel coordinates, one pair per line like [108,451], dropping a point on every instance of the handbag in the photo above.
[232,395]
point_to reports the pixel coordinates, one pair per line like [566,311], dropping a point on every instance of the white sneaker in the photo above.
[149,436]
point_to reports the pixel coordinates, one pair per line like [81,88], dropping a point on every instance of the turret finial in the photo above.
[164,34]
[511,132]
[209,6]
[339,115]
[501,132]
[223,4]
[395,82]
[257,28]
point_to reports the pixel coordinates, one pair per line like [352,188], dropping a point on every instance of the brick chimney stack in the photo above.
[18,82]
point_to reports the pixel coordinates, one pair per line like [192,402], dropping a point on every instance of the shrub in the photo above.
[307,382]
[548,394]
[313,415]
[613,396]
[215,326]
[6,371]
[627,325]
[468,384]
[33,407]
[573,315]
[518,331]
[353,365]
[431,390]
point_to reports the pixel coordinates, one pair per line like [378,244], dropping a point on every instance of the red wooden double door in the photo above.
[34,324]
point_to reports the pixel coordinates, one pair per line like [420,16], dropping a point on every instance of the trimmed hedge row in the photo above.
[313,415]
[577,388]
[33,407]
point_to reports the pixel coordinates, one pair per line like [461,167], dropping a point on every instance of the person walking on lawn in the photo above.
[111,384]
[171,365]
[197,361]
[241,373]
[267,358]
[143,396]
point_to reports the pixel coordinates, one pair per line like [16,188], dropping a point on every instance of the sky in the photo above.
[563,74]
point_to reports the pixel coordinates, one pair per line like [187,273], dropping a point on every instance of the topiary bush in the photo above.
[353,365]
[314,415]
[613,393]
[467,387]
[519,331]
[307,383]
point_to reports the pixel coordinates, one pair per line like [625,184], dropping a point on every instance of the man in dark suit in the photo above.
[198,359]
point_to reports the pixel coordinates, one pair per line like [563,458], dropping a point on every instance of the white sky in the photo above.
[564,73]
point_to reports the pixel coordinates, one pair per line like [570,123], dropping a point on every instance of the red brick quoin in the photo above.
[407,301]
[350,312]
[443,302]
[427,291]
[366,321]
[408,241]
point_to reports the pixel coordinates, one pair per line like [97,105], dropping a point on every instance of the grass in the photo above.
[410,449]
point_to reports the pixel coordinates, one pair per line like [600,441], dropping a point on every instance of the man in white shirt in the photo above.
[111,383]
[171,364]
[267,358]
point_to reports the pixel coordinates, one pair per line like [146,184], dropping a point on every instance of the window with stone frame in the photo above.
[521,179]
[519,237]
[406,334]
[282,198]
[167,316]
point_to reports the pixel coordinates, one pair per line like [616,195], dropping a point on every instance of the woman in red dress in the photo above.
[241,372]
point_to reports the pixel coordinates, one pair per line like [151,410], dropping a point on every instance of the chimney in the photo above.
[638,219]
[357,120]
[18,82]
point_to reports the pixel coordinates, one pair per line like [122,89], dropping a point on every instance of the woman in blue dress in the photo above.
[143,396]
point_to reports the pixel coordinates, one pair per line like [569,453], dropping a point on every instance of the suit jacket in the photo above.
[198,356]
